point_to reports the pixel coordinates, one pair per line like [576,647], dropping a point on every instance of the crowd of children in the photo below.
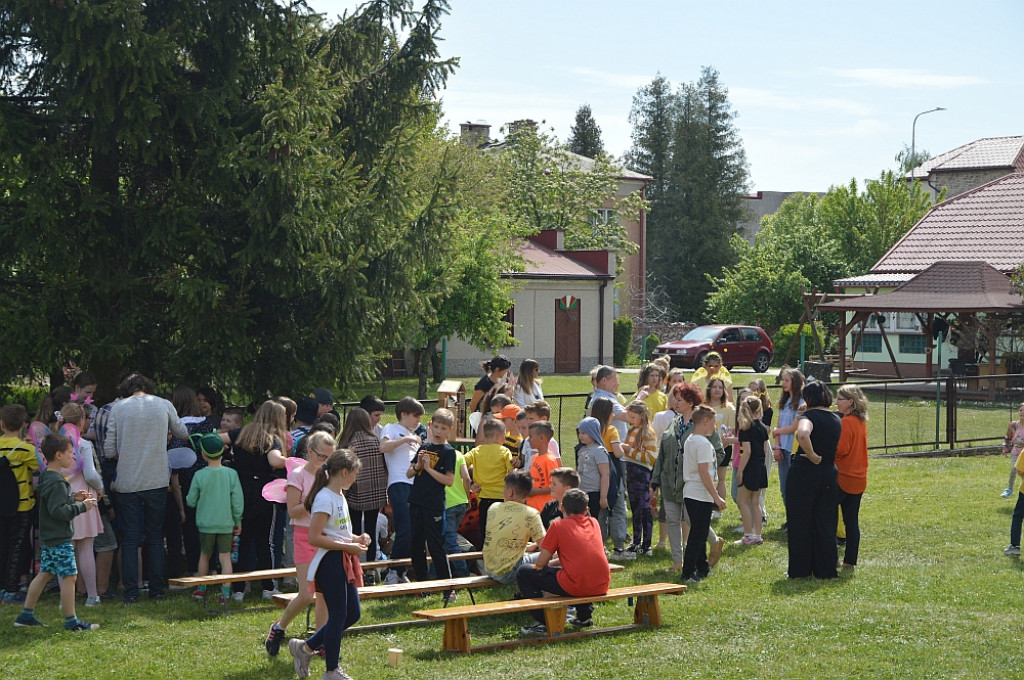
[403,491]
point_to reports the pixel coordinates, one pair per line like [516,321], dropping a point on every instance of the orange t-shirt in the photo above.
[577,540]
[540,471]
[852,455]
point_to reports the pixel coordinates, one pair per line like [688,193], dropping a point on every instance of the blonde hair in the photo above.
[268,423]
[761,390]
[443,416]
[72,412]
[749,408]
[316,440]
[855,395]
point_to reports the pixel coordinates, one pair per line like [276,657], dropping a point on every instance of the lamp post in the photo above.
[913,141]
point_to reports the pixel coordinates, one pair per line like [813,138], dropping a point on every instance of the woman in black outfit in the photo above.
[812,489]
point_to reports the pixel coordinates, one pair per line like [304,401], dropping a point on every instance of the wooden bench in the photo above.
[456,619]
[286,572]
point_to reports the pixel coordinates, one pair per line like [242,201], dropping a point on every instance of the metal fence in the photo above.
[903,415]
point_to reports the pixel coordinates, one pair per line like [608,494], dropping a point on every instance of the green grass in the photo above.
[933,597]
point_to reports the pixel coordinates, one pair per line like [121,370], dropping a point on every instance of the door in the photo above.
[567,334]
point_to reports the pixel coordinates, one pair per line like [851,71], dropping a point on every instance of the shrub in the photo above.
[622,333]
[787,335]
[652,341]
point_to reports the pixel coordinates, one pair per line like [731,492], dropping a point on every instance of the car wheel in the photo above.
[699,362]
[761,362]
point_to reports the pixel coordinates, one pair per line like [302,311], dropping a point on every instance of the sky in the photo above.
[824,92]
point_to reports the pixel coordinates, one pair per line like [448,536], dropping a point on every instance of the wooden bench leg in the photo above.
[456,635]
[554,619]
[647,612]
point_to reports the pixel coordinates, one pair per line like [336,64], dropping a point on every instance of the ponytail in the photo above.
[341,460]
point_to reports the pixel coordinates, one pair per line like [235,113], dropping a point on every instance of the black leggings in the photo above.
[365,522]
[342,600]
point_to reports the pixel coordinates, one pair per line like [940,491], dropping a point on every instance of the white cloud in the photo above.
[754,97]
[904,77]
[624,81]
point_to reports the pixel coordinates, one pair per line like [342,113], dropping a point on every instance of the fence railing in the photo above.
[903,415]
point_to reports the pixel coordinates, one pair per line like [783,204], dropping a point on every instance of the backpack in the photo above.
[10,491]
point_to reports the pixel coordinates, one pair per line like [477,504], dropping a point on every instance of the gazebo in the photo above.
[946,287]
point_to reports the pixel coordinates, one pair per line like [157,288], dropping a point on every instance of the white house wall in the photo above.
[535,328]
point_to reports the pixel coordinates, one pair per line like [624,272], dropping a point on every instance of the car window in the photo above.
[731,335]
[751,335]
[701,333]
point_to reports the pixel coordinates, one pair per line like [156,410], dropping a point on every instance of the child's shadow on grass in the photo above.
[800,586]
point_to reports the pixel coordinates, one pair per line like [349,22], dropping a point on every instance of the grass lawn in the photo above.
[933,597]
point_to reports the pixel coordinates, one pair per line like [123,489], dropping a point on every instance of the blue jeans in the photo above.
[342,600]
[453,517]
[398,494]
[141,514]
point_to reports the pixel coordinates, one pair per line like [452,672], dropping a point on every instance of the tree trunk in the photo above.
[435,360]
[420,357]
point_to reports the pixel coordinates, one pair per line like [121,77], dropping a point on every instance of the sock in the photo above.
[26,611]
[225,591]
[70,620]
[202,589]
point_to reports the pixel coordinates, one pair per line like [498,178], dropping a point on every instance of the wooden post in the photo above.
[991,358]
[888,347]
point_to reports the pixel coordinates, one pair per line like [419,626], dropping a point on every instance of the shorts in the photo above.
[219,544]
[755,475]
[302,551]
[58,560]
[106,541]
[723,460]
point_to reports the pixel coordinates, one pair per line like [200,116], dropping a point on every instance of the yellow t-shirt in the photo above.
[490,463]
[610,435]
[24,464]
[510,526]
[656,402]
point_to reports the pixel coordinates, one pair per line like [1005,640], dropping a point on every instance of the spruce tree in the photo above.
[585,135]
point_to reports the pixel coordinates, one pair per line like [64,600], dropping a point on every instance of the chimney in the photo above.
[476,134]
[521,124]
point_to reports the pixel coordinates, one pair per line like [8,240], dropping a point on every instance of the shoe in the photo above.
[576,621]
[692,580]
[647,552]
[269,594]
[716,552]
[534,630]
[92,601]
[1012,550]
[621,555]
[402,578]
[450,597]
[840,542]
[336,674]
[716,514]
[741,541]
[274,639]
[785,526]
[301,657]
[108,594]
[79,624]
[369,579]
[27,621]
[238,597]
[391,578]
[199,594]
[738,530]
[13,598]
[223,600]
[1007,492]
[159,597]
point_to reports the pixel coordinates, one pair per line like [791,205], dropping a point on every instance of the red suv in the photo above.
[738,345]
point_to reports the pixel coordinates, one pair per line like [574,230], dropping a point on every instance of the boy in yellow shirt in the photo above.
[490,462]
[514,530]
[20,457]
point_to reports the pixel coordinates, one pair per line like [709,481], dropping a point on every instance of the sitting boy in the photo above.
[513,530]
[542,464]
[490,462]
[562,479]
[584,568]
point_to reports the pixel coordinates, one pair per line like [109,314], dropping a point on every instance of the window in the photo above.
[603,216]
[907,322]
[870,343]
[912,344]
[751,335]
[510,319]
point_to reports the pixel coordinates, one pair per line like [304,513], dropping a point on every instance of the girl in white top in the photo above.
[300,482]
[527,389]
[83,476]
[335,569]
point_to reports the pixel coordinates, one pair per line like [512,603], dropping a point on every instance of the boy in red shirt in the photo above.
[584,567]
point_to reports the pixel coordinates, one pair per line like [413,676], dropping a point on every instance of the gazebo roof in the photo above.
[945,286]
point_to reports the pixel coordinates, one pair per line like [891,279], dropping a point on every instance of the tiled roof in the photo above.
[981,154]
[986,224]
[943,287]
[893,279]
[543,262]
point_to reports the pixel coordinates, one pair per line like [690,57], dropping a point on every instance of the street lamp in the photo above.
[913,141]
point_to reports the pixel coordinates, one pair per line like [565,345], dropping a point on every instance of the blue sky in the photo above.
[825,91]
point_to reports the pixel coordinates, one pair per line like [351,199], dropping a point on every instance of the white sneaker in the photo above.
[301,657]
[1007,492]
[402,578]
[269,594]
[391,578]
[621,555]
[238,597]
[1012,550]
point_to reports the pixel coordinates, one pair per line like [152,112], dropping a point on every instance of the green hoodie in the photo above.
[57,508]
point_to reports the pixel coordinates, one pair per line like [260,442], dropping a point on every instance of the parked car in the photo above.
[738,345]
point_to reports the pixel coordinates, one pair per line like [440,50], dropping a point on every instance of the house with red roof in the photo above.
[562,310]
[971,165]
[982,228]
